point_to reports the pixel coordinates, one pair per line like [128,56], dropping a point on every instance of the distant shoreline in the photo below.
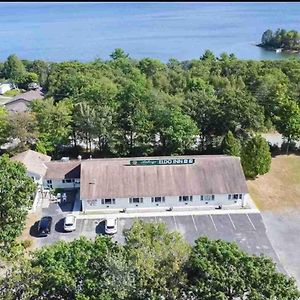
[282,50]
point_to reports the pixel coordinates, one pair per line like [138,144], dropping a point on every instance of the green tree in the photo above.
[42,69]
[119,54]
[177,131]
[4,126]
[267,37]
[231,145]
[157,257]
[16,191]
[256,157]
[219,270]
[22,128]
[53,122]
[27,78]
[81,269]
[287,118]
[208,55]
[134,120]
[14,68]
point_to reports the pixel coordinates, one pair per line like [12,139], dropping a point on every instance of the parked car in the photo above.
[70,223]
[44,226]
[111,226]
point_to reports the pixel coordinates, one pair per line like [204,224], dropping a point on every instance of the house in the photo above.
[35,164]
[5,87]
[165,182]
[20,102]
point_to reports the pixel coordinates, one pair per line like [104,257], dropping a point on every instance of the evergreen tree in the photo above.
[256,157]
[231,145]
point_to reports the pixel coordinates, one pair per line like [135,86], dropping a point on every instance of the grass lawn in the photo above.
[279,189]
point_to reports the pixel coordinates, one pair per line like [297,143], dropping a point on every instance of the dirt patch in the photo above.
[278,190]
[31,219]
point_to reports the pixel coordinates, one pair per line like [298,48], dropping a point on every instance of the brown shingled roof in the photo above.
[20,102]
[115,178]
[34,161]
[57,169]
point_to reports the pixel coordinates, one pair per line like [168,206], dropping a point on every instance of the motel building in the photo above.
[125,184]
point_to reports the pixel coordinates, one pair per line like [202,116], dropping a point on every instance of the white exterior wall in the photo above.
[4,88]
[37,178]
[170,201]
[58,184]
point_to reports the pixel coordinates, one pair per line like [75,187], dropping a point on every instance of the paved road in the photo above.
[247,230]
[283,231]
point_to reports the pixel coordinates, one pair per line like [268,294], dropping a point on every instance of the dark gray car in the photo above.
[44,227]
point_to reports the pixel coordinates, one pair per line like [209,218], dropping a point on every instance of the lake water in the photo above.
[84,31]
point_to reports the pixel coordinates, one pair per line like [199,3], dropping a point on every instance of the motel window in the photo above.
[135,200]
[68,180]
[63,181]
[49,181]
[208,197]
[158,199]
[235,196]
[240,196]
[229,197]
[185,198]
[108,201]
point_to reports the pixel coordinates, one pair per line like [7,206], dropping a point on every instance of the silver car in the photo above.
[111,226]
[70,223]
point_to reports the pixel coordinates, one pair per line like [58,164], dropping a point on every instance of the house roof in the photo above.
[29,95]
[33,161]
[63,169]
[19,102]
[116,178]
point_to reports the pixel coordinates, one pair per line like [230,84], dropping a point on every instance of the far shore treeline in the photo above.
[281,39]
[129,107]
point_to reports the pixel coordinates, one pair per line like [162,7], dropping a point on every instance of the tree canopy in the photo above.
[153,264]
[281,38]
[16,194]
[129,107]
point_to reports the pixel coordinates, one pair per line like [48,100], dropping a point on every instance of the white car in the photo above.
[70,223]
[111,226]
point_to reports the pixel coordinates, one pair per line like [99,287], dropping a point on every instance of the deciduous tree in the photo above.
[220,270]
[16,191]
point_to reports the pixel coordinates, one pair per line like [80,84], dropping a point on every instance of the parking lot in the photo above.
[247,230]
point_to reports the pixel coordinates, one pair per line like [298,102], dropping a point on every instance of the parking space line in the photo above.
[194,222]
[231,222]
[250,222]
[175,222]
[213,222]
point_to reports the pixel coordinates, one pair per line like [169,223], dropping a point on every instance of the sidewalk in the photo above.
[184,211]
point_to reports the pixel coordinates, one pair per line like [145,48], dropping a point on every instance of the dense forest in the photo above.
[286,40]
[129,107]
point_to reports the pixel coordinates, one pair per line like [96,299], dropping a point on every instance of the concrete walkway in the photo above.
[195,212]
[250,208]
